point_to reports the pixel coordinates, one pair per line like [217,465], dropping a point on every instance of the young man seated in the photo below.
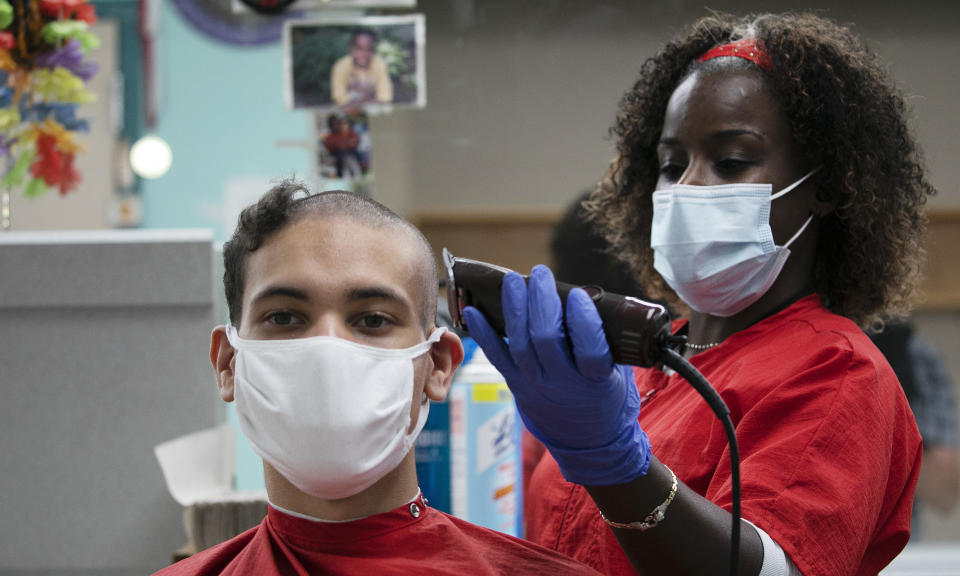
[333,356]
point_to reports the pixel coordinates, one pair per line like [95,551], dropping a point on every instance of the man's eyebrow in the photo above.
[375,293]
[286,291]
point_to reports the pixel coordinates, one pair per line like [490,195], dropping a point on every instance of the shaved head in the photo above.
[290,202]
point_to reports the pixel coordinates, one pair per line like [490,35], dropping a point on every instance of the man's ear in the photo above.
[447,354]
[222,356]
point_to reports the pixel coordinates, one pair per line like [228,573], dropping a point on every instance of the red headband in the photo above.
[746,48]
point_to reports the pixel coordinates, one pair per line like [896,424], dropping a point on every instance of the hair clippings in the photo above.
[746,48]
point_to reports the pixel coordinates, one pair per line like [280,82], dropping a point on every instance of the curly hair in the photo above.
[845,114]
[581,255]
[290,201]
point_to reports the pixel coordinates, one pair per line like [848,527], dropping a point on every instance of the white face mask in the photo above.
[330,415]
[713,244]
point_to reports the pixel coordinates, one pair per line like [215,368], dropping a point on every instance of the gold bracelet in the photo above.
[652,519]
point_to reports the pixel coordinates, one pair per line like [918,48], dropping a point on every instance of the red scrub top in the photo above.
[412,539]
[829,448]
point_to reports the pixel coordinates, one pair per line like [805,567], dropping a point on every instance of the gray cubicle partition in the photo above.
[103,354]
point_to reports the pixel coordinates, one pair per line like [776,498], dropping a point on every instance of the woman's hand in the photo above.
[570,394]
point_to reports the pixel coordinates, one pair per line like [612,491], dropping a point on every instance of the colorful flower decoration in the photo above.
[44,67]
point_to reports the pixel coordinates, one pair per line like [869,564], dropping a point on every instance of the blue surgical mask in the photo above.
[713,244]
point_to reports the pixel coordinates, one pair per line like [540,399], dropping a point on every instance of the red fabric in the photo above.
[746,48]
[829,448]
[60,9]
[87,13]
[69,176]
[48,164]
[394,543]
[533,451]
[346,139]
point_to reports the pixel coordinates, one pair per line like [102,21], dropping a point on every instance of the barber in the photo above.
[767,182]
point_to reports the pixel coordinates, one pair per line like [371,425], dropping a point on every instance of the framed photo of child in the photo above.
[343,151]
[372,62]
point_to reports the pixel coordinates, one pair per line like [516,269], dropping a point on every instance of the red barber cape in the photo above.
[829,448]
[412,539]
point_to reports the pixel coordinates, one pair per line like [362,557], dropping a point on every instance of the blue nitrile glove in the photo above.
[581,406]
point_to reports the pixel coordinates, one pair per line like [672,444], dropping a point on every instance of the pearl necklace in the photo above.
[701,347]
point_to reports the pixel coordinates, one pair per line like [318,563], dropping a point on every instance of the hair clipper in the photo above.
[636,330]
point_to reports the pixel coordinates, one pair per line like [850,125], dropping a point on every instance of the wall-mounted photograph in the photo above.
[374,62]
[342,150]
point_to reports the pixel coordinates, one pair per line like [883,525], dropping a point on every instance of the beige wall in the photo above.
[520,94]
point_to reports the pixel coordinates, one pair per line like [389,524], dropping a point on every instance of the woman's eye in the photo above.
[731,166]
[671,172]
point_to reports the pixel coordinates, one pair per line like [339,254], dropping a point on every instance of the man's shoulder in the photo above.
[506,552]
[462,527]
[378,63]
[213,560]
[342,63]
